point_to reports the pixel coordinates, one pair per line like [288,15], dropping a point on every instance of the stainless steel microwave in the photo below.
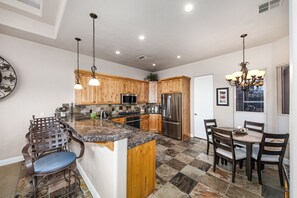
[128,99]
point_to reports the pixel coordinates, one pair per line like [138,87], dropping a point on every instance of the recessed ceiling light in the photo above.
[188,7]
[178,56]
[141,37]
[154,64]
[117,52]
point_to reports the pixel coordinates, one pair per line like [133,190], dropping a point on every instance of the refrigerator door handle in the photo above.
[169,106]
[176,123]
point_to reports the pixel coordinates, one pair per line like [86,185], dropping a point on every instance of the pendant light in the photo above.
[93,81]
[77,84]
[245,78]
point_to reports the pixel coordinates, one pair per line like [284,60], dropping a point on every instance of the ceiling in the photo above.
[212,28]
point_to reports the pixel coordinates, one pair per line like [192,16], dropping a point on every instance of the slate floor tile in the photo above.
[169,191]
[190,152]
[158,163]
[171,152]
[214,183]
[166,172]
[200,164]
[201,190]
[236,192]
[192,172]
[268,191]
[184,183]
[176,164]
[184,158]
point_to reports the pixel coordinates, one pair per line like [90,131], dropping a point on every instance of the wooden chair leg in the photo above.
[259,172]
[233,171]
[226,162]
[214,163]
[280,172]
[222,161]
[207,151]
[241,164]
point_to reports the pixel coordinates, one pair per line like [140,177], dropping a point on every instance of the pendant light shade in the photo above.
[94,81]
[77,83]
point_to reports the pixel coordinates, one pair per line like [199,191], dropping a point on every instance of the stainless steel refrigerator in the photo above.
[172,115]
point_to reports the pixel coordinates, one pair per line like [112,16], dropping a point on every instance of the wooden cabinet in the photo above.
[153,88]
[159,123]
[153,122]
[141,170]
[172,85]
[159,91]
[110,89]
[119,120]
[144,122]
[87,95]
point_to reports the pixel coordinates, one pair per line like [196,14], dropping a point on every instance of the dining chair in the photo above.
[224,148]
[47,152]
[254,126]
[209,123]
[271,151]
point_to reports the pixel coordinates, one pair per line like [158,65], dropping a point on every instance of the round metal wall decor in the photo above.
[8,78]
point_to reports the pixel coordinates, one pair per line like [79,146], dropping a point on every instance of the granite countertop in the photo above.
[94,130]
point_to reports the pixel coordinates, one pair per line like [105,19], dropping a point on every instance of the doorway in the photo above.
[203,103]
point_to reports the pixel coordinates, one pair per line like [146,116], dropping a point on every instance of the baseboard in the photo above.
[11,160]
[88,182]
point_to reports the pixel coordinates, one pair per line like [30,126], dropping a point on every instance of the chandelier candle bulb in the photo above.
[253,72]
[229,77]
[237,74]
[261,73]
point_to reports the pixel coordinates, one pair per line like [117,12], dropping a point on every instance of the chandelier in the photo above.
[245,78]
[94,81]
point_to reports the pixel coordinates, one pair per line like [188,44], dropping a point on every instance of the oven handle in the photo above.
[132,121]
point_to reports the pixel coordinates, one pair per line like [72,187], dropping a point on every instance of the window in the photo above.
[251,100]
[283,85]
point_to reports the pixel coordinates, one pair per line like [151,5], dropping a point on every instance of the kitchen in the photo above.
[46,73]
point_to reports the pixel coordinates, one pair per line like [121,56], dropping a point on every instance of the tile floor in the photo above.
[184,170]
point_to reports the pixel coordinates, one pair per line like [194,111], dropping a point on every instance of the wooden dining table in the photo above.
[249,138]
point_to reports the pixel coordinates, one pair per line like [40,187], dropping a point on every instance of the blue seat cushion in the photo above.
[54,162]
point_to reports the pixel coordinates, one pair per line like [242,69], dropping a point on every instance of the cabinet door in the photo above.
[159,91]
[102,92]
[146,93]
[144,124]
[137,90]
[115,90]
[87,95]
[166,86]
[153,122]
[129,86]
[176,85]
[153,92]
[159,123]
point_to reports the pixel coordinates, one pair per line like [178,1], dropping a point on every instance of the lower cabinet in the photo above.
[144,122]
[155,122]
[141,173]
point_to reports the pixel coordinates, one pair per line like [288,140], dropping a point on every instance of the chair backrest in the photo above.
[208,123]
[273,144]
[223,139]
[46,135]
[254,126]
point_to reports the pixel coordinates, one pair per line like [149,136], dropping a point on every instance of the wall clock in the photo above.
[8,78]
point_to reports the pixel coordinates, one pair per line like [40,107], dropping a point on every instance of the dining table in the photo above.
[249,138]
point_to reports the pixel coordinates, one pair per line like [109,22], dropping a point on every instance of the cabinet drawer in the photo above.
[119,120]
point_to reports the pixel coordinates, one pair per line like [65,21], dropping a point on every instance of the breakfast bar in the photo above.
[115,155]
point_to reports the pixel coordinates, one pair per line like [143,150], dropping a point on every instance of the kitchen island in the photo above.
[119,160]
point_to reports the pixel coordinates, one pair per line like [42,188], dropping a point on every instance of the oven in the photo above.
[133,121]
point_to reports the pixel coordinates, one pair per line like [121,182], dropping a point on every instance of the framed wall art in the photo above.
[223,96]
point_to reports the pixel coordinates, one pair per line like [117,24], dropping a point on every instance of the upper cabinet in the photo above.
[110,89]
[172,85]
[153,91]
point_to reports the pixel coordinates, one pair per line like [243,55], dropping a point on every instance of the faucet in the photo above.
[102,113]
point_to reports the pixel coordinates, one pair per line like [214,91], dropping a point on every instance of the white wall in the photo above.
[262,57]
[45,81]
